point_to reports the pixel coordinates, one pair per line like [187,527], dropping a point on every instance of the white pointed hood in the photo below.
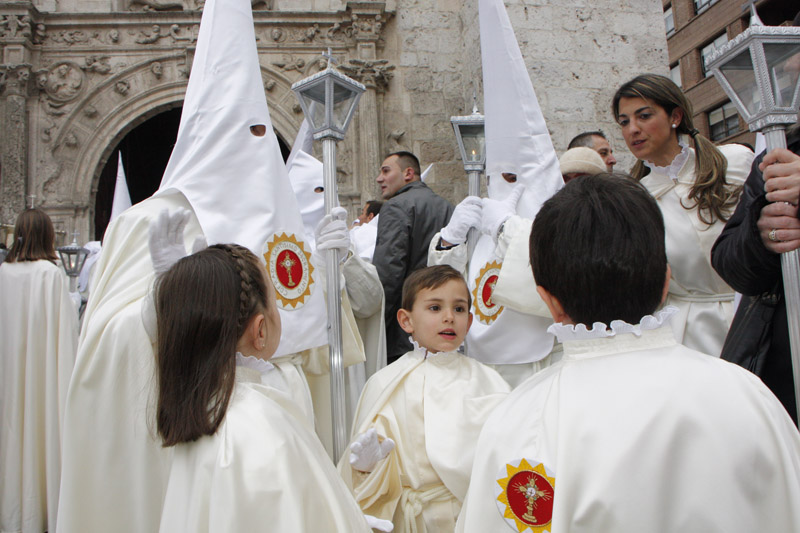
[229,175]
[517,140]
[304,142]
[235,181]
[122,198]
[307,178]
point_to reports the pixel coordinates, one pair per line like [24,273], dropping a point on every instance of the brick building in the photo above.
[694,29]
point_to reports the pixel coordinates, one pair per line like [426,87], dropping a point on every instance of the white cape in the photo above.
[642,434]
[263,470]
[39,335]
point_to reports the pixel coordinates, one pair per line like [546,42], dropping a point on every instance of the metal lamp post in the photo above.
[329,100]
[472,145]
[758,70]
[72,257]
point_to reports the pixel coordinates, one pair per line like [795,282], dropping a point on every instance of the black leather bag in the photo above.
[750,335]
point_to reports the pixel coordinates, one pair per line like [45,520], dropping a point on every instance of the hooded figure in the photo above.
[518,146]
[227,171]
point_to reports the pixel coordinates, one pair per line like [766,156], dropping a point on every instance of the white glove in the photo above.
[166,239]
[495,212]
[466,215]
[381,525]
[366,451]
[332,233]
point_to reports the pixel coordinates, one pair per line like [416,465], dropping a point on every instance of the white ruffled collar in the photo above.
[253,363]
[675,167]
[571,332]
[425,353]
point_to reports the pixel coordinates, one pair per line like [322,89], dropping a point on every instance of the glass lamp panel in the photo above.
[343,101]
[783,65]
[740,73]
[314,98]
[474,141]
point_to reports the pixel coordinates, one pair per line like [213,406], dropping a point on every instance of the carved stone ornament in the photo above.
[90,111]
[151,37]
[269,85]
[376,73]
[157,69]
[366,27]
[154,5]
[98,64]
[122,87]
[65,81]
[277,35]
[15,79]
[71,140]
[191,37]
[16,27]
[113,35]
[290,62]
[70,37]
[39,33]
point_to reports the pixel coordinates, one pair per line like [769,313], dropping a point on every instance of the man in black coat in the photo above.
[747,256]
[411,215]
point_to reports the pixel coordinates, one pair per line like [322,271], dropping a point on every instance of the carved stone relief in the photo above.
[16,26]
[64,81]
[376,73]
[98,64]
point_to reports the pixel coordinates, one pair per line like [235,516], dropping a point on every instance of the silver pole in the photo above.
[474,189]
[775,137]
[334,307]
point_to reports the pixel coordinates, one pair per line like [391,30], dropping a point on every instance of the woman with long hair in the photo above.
[245,457]
[697,186]
[39,332]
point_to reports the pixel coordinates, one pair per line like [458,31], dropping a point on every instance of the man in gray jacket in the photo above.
[411,215]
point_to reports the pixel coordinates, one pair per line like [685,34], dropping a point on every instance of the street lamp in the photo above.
[329,100]
[72,258]
[472,145]
[758,70]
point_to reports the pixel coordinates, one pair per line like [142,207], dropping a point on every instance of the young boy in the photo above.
[418,419]
[630,432]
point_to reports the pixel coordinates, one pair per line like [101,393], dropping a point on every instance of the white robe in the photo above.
[263,470]
[705,301]
[643,434]
[39,336]
[433,409]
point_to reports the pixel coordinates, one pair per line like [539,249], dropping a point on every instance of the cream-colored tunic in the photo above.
[39,336]
[262,471]
[704,300]
[433,408]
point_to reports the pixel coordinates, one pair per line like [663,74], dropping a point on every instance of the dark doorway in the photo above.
[146,150]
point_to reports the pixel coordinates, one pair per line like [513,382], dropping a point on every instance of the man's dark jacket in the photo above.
[760,325]
[407,223]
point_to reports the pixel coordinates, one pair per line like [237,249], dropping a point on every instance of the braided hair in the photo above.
[713,197]
[204,304]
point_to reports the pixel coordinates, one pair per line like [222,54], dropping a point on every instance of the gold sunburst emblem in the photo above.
[485,309]
[525,498]
[290,269]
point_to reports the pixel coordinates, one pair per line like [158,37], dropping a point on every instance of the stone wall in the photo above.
[77,75]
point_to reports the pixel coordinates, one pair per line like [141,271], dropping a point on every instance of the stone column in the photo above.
[14,81]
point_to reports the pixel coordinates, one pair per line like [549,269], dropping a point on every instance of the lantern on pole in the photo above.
[759,70]
[329,100]
[471,138]
[72,258]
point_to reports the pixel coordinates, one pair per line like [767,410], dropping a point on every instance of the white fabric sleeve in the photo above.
[149,316]
[456,256]
[516,287]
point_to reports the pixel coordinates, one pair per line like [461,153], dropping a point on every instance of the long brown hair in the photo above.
[34,238]
[203,306]
[712,196]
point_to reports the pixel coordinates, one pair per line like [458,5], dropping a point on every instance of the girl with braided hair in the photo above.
[697,188]
[245,457]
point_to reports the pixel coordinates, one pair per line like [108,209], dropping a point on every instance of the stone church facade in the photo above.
[78,75]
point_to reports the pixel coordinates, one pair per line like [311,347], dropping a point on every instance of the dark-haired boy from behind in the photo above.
[418,419]
[631,431]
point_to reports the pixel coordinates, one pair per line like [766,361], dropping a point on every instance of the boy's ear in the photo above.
[405,321]
[554,305]
[469,321]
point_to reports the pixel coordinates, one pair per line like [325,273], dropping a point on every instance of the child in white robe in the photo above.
[245,457]
[418,418]
[630,431]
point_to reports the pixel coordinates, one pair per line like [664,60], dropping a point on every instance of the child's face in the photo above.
[440,317]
